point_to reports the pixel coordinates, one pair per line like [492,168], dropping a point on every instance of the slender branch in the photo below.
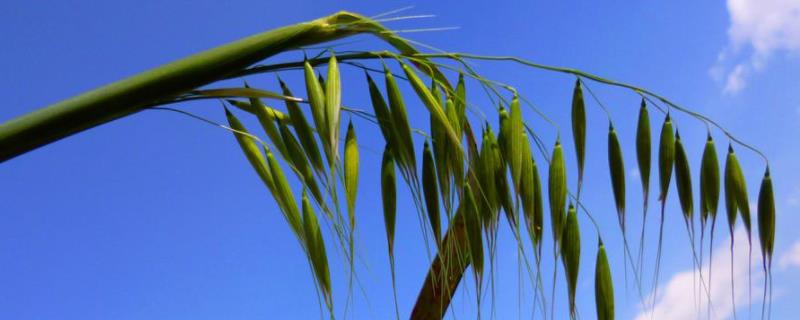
[444,274]
[131,95]
[597,79]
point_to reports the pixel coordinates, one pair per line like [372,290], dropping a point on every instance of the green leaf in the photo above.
[244,93]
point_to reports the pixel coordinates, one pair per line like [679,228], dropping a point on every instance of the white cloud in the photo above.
[633,173]
[735,80]
[791,258]
[760,27]
[794,198]
[676,301]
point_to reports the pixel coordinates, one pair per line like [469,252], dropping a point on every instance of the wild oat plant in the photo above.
[464,185]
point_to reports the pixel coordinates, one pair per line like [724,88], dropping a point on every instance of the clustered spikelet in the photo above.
[502,172]
[471,184]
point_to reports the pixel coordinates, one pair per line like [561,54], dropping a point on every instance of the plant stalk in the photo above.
[131,95]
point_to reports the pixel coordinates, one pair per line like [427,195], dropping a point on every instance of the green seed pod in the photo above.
[683,179]
[603,286]
[515,147]
[503,136]
[643,153]
[504,196]
[528,197]
[333,106]
[304,132]
[736,197]
[616,166]
[351,164]
[766,219]
[571,254]
[666,157]
[299,162]
[538,209]
[251,150]
[474,235]
[730,189]
[285,198]
[433,105]
[316,248]
[486,173]
[389,195]
[430,189]
[436,92]
[406,158]
[557,190]
[579,127]
[455,158]
[461,99]
[267,121]
[709,182]
[241,105]
[381,110]
[527,190]
[440,149]
[316,99]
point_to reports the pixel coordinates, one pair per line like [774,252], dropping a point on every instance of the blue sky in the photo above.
[159,216]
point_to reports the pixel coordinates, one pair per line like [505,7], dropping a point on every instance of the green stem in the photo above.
[131,95]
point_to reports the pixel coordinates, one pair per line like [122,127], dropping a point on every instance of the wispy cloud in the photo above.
[758,29]
[794,198]
[676,301]
[791,258]
[633,173]
[735,80]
